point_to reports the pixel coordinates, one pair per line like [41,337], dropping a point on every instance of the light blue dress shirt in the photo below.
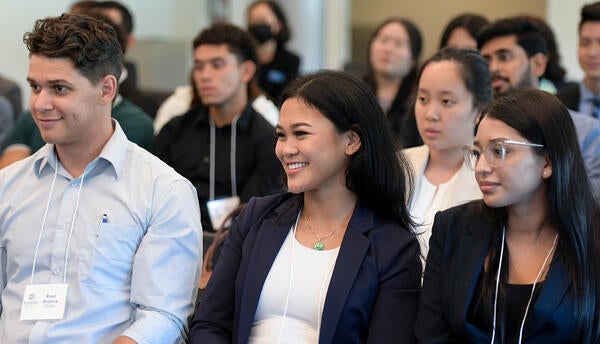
[588,135]
[586,99]
[135,275]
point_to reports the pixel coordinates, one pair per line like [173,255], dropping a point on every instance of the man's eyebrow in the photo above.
[51,82]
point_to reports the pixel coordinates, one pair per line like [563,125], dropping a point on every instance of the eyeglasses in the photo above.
[495,152]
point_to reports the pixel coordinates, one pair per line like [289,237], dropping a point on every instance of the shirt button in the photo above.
[62,225]
[74,184]
[56,272]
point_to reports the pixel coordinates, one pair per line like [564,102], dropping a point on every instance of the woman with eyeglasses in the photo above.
[523,264]
[453,87]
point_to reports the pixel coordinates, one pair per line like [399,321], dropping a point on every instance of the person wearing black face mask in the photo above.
[277,65]
[262,32]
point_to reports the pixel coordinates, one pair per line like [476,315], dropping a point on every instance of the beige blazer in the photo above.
[465,188]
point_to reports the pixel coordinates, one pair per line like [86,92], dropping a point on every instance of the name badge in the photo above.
[219,209]
[44,302]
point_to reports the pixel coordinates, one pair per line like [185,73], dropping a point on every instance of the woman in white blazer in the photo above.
[453,87]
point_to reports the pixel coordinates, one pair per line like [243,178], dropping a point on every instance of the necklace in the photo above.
[539,274]
[319,245]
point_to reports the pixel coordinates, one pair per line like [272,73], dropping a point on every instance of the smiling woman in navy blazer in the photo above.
[335,259]
[523,265]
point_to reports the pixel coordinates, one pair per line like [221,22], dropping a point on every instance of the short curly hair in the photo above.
[91,44]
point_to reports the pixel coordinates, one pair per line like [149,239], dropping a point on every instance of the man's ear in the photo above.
[108,89]
[538,64]
[248,70]
[130,42]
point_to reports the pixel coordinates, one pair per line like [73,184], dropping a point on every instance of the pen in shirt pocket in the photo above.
[103,219]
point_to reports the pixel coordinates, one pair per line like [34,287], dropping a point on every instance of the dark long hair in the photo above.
[471,22]
[473,69]
[541,118]
[379,175]
[554,72]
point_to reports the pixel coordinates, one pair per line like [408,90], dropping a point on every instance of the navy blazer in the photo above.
[460,240]
[373,293]
[570,96]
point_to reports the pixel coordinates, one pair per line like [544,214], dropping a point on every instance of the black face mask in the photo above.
[262,32]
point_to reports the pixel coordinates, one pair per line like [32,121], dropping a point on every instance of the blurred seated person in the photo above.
[277,66]
[25,137]
[6,120]
[187,97]
[553,79]
[223,146]
[128,85]
[393,57]
[12,92]
[584,96]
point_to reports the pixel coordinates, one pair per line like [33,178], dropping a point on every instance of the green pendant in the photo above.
[318,246]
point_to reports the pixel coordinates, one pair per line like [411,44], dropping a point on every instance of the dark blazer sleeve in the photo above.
[395,309]
[570,96]
[216,317]
[432,325]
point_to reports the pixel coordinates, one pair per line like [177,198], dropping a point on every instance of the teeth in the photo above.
[297,165]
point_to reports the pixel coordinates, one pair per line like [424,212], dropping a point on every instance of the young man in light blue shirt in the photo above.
[100,241]
[585,95]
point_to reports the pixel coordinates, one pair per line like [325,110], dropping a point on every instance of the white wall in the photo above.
[165,29]
[156,21]
[321,31]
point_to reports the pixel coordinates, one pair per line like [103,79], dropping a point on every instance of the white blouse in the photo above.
[426,202]
[291,303]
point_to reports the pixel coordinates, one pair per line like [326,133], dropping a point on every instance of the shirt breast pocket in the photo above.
[109,254]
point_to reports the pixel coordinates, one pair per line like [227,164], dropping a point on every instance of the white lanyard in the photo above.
[44,223]
[532,289]
[232,151]
[321,289]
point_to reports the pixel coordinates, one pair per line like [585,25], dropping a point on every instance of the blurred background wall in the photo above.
[325,33]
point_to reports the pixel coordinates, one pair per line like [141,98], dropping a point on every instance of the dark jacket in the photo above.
[570,96]
[372,296]
[460,240]
[184,144]
[274,76]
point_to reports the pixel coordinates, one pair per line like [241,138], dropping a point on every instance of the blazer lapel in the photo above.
[268,241]
[476,243]
[551,295]
[418,157]
[352,252]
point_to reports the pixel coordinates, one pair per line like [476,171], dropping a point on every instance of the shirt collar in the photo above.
[585,93]
[113,153]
